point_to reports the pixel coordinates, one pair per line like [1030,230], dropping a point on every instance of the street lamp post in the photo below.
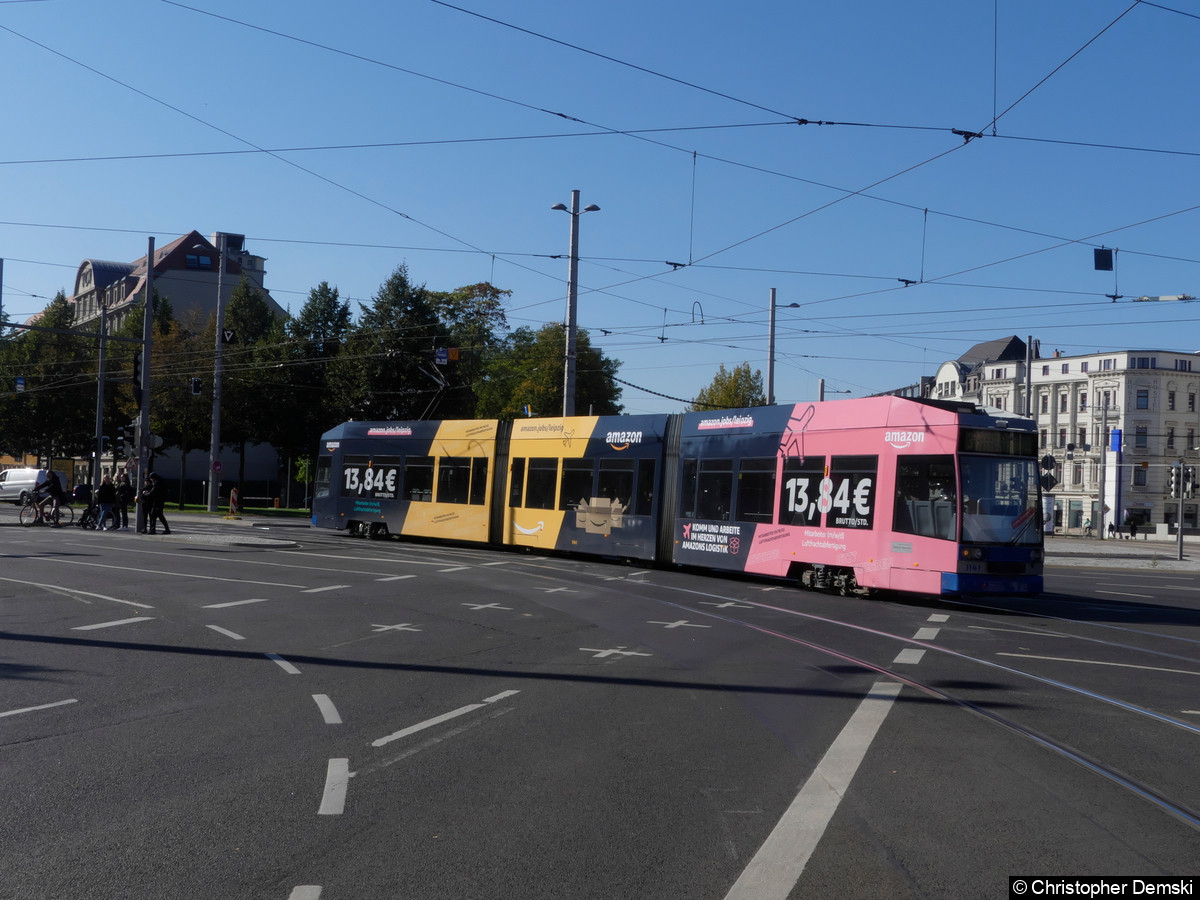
[214,447]
[572,298]
[771,348]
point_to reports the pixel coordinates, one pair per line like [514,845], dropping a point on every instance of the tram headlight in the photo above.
[972,553]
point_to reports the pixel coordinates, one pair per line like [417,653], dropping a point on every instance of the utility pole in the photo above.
[143,429]
[572,299]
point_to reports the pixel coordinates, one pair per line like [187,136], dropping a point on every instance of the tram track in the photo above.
[1063,748]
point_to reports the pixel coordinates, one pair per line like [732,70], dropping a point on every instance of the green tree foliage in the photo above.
[731,390]
[472,327]
[316,334]
[387,370]
[528,370]
[55,414]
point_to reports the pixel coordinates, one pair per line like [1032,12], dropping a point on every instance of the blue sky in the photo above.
[412,131]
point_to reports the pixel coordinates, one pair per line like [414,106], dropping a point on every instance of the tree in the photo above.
[472,326]
[731,390]
[387,370]
[316,334]
[528,371]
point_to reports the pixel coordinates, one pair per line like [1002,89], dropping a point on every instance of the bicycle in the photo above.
[32,513]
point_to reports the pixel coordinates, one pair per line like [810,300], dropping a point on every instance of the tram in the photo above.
[853,496]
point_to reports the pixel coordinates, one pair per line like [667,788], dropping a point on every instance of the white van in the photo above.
[16,485]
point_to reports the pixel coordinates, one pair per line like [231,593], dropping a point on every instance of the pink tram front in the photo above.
[882,493]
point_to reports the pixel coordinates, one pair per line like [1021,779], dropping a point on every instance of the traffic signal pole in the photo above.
[143,423]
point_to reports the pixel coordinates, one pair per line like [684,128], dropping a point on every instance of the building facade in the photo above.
[1111,425]
[185,273]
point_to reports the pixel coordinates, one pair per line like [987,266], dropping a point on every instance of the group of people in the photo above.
[113,497]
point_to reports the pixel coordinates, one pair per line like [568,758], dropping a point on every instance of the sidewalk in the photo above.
[1145,552]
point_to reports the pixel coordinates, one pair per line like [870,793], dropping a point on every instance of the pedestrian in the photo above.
[154,495]
[106,498]
[1132,530]
[124,498]
[1112,530]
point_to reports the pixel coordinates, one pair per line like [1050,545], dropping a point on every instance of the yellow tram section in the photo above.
[533,513]
[449,509]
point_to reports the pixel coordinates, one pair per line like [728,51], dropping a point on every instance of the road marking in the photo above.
[337,779]
[779,862]
[395,577]
[558,590]
[328,711]
[1190,712]
[936,617]
[728,604]
[478,606]
[1126,594]
[1098,662]
[305,892]
[16,712]
[455,569]
[619,651]
[909,656]
[926,634]
[328,587]
[505,563]
[66,590]
[283,664]
[682,623]
[113,624]
[123,568]
[438,720]
[407,626]
[235,603]
[227,632]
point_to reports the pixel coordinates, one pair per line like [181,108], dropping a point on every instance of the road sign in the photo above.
[216,465]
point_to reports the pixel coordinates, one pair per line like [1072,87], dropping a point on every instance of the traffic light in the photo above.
[1189,481]
[137,377]
[119,446]
[1175,481]
[195,387]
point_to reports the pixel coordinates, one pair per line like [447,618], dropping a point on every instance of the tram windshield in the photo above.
[1000,500]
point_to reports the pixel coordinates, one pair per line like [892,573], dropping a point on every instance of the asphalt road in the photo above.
[237,712]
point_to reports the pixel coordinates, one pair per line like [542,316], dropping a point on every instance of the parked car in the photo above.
[16,485]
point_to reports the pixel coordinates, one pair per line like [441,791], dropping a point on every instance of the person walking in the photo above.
[154,495]
[106,498]
[125,496]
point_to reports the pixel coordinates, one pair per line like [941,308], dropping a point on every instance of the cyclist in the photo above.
[49,489]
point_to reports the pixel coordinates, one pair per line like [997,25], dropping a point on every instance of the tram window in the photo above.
[541,482]
[714,489]
[479,470]
[576,483]
[615,483]
[322,478]
[645,488]
[454,479]
[926,496]
[418,478]
[799,495]
[687,496]
[755,490]
[516,486]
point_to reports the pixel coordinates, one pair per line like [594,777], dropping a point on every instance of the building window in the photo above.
[1146,362]
[1077,473]
[1139,476]
[1140,435]
[1170,438]
[1191,439]
[1045,370]
[1062,437]
[1083,366]
[1062,403]
[1045,403]
[195,261]
[1083,401]
[1170,399]
[1043,443]
[1066,368]
[1143,398]
[1082,438]
[1191,402]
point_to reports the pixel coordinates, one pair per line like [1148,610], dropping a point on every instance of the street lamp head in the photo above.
[591,207]
[560,206]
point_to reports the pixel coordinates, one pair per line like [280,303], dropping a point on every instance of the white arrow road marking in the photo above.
[438,720]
